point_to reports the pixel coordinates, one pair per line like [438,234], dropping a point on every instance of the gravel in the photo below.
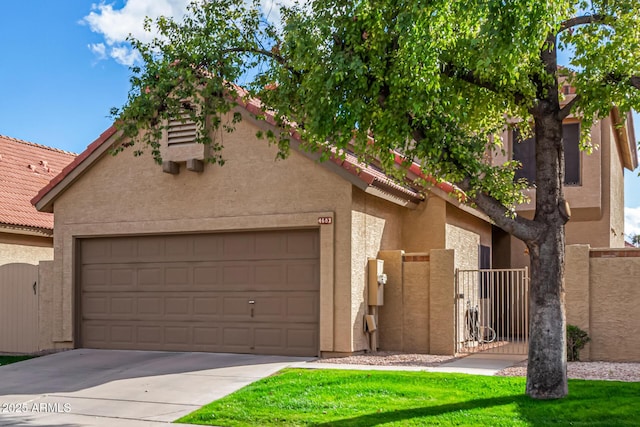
[616,371]
[390,358]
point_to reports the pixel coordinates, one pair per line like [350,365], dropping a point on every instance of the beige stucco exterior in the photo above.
[127,195]
[602,295]
[24,248]
[418,315]
[597,205]
[124,195]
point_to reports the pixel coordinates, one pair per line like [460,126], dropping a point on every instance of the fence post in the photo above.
[441,302]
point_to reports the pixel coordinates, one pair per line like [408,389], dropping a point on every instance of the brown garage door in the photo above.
[249,292]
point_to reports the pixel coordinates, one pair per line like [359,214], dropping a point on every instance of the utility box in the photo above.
[377,280]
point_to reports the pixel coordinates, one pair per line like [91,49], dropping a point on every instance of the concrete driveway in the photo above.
[123,388]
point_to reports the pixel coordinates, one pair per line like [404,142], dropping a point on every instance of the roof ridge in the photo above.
[46,147]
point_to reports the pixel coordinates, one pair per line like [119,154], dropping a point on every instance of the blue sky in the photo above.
[63,65]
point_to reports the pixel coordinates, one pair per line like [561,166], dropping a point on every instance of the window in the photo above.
[525,152]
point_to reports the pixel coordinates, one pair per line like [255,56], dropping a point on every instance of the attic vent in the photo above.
[181,130]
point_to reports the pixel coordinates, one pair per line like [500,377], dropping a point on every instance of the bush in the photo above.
[576,340]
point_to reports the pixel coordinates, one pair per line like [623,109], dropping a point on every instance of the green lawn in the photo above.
[5,360]
[300,397]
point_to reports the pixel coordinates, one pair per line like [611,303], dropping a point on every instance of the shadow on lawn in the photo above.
[427,411]
[532,412]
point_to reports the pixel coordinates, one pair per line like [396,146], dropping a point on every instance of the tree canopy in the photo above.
[437,81]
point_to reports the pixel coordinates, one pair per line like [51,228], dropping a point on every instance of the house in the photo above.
[264,256]
[593,187]
[257,256]
[26,238]
[26,235]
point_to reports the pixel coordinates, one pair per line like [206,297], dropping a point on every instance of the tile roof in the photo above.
[366,173]
[25,168]
[79,159]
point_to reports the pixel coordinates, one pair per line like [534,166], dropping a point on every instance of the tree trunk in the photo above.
[547,370]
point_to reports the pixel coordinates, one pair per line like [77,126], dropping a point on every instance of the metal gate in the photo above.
[492,311]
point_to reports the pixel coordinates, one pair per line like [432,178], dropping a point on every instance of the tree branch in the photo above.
[566,110]
[520,227]
[582,20]
[263,52]
[468,76]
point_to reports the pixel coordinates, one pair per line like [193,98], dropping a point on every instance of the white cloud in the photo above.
[271,9]
[99,49]
[115,25]
[631,221]
[125,55]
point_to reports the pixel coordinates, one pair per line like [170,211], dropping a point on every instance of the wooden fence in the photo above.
[18,308]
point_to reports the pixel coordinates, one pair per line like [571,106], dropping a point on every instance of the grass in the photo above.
[300,397]
[6,360]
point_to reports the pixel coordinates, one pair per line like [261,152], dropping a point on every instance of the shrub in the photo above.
[576,340]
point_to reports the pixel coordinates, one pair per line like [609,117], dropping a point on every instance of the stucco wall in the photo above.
[131,195]
[615,297]
[375,225]
[404,319]
[465,243]
[416,325]
[17,248]
[441,294]
[391,314]
[602,298]
[597,205]
[466,221]
[616,198]
[423,228]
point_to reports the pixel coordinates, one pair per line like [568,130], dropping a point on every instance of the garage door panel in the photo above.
[179,247]
[302,275]
[149,277]
[207,305]
[122,305]
[236,335]
[206,275]
[208,246]
[94,276]
[239,274]
[192,292]
[302,245]
[177,306]
[121,334]
[208,336]
[151,248]
[149,334]
[303,308]
[178,335]
[237,307]
[291,340]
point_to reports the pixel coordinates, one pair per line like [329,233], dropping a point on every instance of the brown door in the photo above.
[246,292]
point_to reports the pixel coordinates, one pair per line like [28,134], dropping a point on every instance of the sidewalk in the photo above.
[476,364]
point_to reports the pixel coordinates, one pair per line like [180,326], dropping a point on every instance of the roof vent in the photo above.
[182,130]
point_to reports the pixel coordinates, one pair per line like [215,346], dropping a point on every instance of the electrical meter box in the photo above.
[377,281]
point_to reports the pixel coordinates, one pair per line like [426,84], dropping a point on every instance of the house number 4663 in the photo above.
[325,220]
